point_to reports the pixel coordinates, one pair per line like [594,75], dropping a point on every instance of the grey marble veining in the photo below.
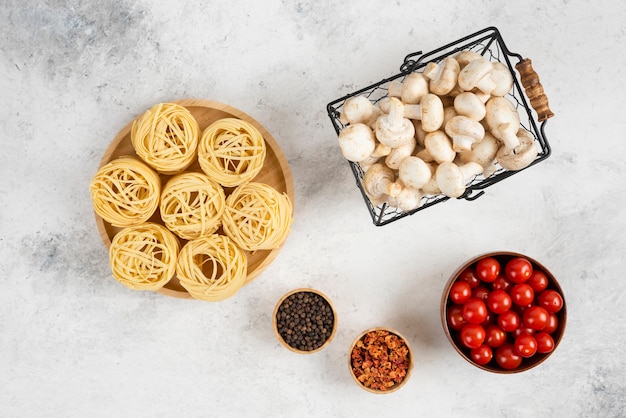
[75,343]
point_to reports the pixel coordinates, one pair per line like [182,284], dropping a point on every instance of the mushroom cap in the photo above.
[356,142]
[414,87]
[483,152]
[450,179]
[467,56]
[414,172]
[393,129]
[502,77]
[503,120]
[439,146]
[357,109]
[398,154]
[432,112]
[475,73]
[407,200]
[464,132]
[470,105]
[522,155]
[443,76]
[379,182]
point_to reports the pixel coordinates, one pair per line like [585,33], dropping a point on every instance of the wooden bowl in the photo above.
[527,363]
[275,172]
[275,324]
[409,370]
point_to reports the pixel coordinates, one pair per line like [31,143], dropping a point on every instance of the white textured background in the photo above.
[75,343]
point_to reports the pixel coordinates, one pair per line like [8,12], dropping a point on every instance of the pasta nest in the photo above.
[143,257]
[212,268]
[125,192]
[166,137]
[257,217]
[192,205]
[231,151]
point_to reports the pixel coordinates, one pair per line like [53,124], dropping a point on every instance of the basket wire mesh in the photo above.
[487,42]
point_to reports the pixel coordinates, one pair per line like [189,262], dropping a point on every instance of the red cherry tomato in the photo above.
[468,275]
[455,317]
[525,345]
[522,294]
[499,301]
[535,317]
[553,324]
[494,336]
[538,281]
[474,311]
[545,342]
[507,357]
[460,292]
[481,293]
[482,354]
[472,335]
[501,283]
[509,321]
[550,300]
[518,270]
[487,269]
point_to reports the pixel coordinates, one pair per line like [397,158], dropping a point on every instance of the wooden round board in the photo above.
[275,172]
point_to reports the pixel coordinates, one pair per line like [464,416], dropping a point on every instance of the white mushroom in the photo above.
[520,156]
[464,132]
[379,182]
[470,105]
[398,154]
[357,109]
[424,154]
[393,129]
[443,76]
[502,77]
[476,74]
[414,172]
[452,178]
[467,56]
[429,111]
[448,113]
[368,162]
[431,186]
[439,146]
[503,121]
[483,153]
[381,150]
[407,200]
[356,142]
[411,89]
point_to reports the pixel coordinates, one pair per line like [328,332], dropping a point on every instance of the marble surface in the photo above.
[75,343]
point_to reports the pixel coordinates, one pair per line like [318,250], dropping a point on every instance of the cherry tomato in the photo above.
[538,281]
[481,293]
[535,317]
[550,300]
[501,283]
[509,321]
[460,292]
[522,294]
[494,336]
[472,335]
[481,354]
[499,301]
[545,342]
[525,345]
[507,357]
[518,270]
[487,269]
[468,275]
[474,311]
[553,324]
[455,317]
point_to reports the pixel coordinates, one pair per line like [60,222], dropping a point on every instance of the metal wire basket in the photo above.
[526,88]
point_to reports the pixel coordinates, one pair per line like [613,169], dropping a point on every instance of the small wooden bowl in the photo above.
[408,371]
[275,172]
[275,322]
[527,363]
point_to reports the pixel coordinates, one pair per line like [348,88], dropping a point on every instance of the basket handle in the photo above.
[534,89]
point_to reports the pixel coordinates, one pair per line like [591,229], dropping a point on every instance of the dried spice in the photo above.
[305,320]
[380,360]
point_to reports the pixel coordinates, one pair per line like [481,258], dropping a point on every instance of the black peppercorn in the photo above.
[304,320]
